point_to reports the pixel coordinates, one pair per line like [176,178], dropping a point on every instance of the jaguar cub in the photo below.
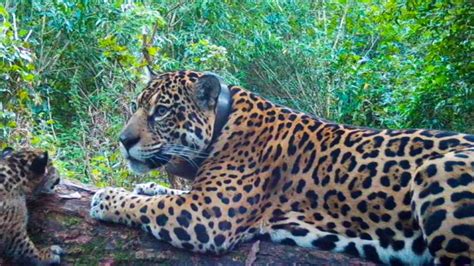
[24,174]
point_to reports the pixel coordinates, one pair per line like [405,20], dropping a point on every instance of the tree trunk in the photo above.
[63,219]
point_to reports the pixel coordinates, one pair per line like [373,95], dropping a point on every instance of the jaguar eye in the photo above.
[161,111]
[133,107]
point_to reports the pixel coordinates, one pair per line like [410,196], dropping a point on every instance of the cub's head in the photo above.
[173,119]
[30,170]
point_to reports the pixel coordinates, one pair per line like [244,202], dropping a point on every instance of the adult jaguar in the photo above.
[24,174]
[392,196]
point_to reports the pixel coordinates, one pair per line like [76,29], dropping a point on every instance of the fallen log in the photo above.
[63,219]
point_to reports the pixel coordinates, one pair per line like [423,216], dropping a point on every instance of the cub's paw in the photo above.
[150,189]
[51,255]
[101,203]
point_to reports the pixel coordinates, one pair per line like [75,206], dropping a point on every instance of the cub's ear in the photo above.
[208,88]
[38,166]
[7,152]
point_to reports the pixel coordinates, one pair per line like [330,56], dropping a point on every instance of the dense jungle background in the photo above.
[69,69]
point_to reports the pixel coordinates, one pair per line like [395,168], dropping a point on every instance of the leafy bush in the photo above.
[69,68]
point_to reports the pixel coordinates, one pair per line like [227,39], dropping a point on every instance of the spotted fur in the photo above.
[23,175]
[391,196]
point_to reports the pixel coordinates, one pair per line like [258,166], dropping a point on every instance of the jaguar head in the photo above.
[31,169]
[173,120]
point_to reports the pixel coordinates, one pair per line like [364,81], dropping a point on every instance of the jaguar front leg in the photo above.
[154,189]
[177,219]
[24,251]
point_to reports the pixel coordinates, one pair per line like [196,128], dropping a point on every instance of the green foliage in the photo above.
[69,68]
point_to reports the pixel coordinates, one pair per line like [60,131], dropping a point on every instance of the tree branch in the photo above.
[63,219]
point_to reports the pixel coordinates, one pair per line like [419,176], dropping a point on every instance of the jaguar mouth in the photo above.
[157,162]
[49,186]
[140,166]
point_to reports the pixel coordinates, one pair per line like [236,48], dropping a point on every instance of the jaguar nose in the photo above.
[128,139]
[56,182]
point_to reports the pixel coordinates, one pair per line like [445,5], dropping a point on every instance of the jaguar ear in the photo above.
[149,74]
[7,152]
[38,166]
[208,88]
